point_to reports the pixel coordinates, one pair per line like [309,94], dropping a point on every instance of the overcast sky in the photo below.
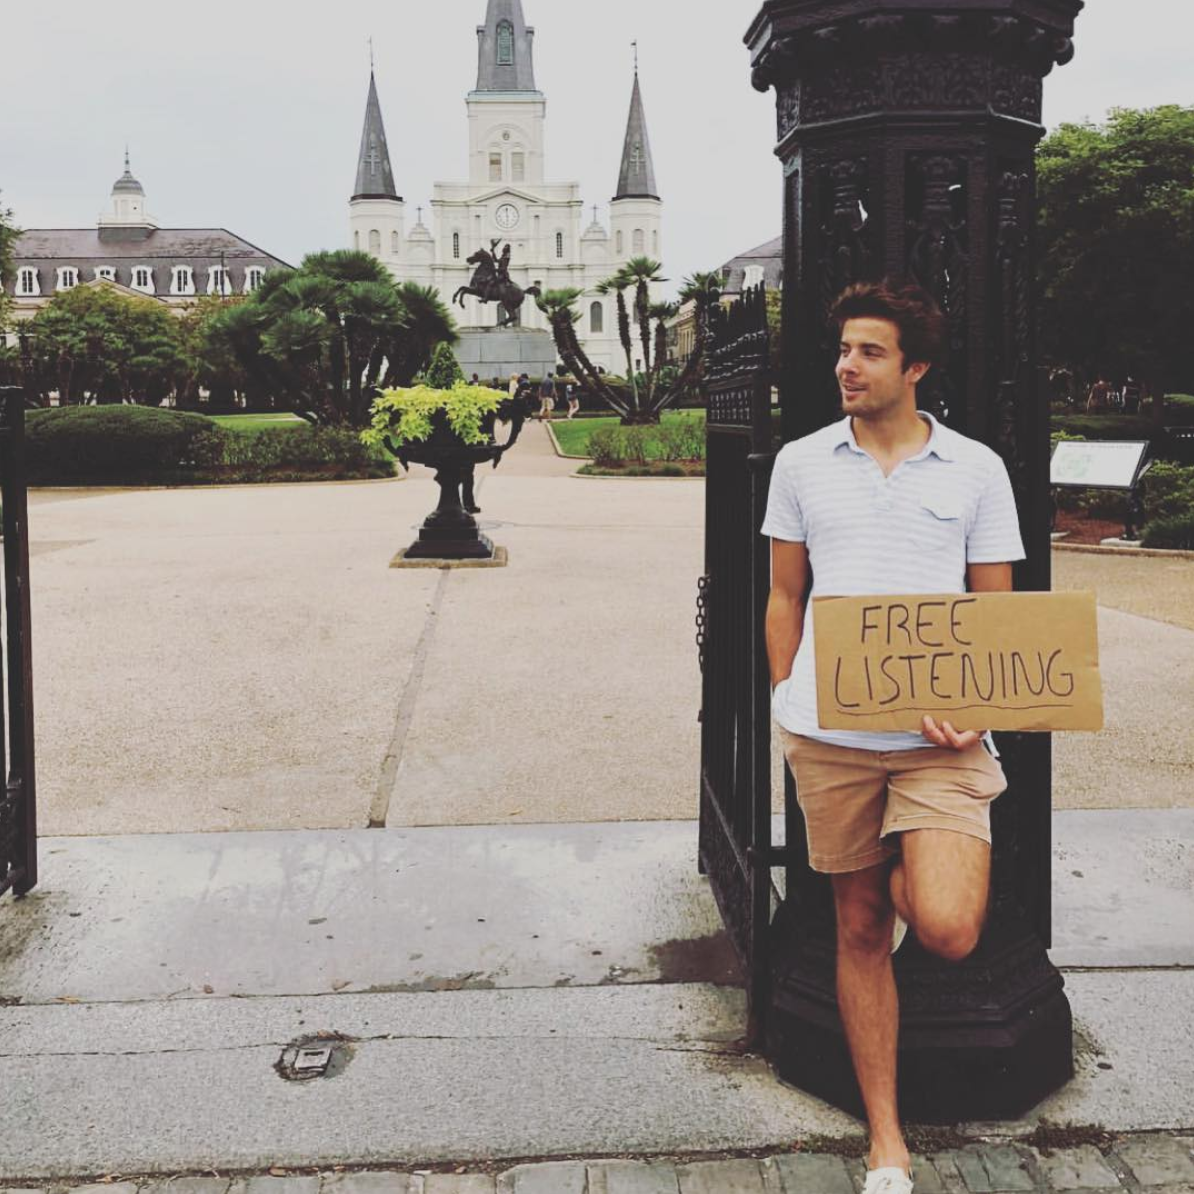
[246,114]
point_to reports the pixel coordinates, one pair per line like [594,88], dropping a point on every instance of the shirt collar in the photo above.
[843,433]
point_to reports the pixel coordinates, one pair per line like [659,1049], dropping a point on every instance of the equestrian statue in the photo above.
[491,283]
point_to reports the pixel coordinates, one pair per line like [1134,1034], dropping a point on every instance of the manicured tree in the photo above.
[444,371]
[106,346]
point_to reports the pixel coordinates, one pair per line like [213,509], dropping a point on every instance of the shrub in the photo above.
[607,447]
[118,444]
[681,439]
[1176,532]
[636,440]
[1168,490]
[129,445]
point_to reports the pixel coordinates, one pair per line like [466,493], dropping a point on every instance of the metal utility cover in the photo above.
[307,1060]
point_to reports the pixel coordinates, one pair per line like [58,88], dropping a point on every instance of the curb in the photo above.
[555,443]
[1099,549]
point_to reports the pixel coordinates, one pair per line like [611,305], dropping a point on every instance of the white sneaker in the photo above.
[889,1180]
[898,932]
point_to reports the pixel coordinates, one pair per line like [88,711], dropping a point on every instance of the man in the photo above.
[547,396]
[886,501]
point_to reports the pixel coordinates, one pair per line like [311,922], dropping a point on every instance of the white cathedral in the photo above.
[506,196]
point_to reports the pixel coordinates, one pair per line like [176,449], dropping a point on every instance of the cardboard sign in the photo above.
[981,661]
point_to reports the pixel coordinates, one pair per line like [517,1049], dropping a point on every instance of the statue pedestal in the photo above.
[498,352]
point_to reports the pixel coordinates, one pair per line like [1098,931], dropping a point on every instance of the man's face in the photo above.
[870,370]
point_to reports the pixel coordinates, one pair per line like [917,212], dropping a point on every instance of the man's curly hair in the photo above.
[911,308]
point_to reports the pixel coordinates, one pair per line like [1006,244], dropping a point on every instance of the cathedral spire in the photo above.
[637,177]
[506,44]
[375,177]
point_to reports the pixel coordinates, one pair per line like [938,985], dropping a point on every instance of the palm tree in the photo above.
[429,323]
[702,289]
[641,272]
[560,308]
[320,334]
[616,284]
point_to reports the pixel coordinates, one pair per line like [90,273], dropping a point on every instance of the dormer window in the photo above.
[752,276]
[253,278]
[105,273]
[505,44]
[68,277]
[218,281]
[143,279]
[27,282]
[183,280]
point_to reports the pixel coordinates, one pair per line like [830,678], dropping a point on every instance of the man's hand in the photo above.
[945,735]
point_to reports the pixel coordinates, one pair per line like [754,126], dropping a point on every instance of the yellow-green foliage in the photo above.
[405,415]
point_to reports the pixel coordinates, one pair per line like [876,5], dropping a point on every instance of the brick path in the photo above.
[1149,1164]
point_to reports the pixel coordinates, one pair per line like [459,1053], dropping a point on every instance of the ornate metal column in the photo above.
[907,130]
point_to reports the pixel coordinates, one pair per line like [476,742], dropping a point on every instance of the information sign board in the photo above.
[1105,464]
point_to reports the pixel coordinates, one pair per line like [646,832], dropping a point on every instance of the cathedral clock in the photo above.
[506,217]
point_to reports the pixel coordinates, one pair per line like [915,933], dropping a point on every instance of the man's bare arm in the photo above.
[790,580]
[980,578]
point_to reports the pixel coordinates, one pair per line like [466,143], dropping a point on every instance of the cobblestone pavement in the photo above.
[1149,1164]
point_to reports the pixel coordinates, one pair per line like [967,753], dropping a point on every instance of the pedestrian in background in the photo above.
[547,396]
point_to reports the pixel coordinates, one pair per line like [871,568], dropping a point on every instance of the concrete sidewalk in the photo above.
[488,994]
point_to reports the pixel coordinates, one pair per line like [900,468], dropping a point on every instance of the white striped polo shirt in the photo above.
[912,532]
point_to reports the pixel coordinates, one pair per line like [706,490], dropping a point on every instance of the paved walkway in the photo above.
[520,961]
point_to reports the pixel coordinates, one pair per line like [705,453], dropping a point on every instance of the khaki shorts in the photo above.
[854,800]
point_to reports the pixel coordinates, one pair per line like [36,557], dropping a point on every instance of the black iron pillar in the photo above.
[907,130]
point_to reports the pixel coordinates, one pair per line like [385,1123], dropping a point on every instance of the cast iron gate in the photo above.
[18,816]
[735,804]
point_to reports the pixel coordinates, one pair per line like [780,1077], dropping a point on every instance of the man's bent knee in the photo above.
[953,938]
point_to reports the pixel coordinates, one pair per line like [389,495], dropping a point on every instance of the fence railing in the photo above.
[18,802]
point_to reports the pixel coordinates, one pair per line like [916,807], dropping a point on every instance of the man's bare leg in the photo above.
[940,886]
[868,1004]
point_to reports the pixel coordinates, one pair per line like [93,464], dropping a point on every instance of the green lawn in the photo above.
[574,435]
[257,422]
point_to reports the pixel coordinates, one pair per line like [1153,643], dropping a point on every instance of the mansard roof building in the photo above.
[126,249]
[507,196]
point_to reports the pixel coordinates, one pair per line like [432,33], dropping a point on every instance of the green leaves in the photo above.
[404,415]
[1116,236]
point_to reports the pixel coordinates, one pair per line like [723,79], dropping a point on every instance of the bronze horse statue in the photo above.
[492,284]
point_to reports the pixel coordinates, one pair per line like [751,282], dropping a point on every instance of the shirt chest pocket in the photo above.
[940,526]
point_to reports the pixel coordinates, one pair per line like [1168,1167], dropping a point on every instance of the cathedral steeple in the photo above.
[505,59]
[636,180]
[375,176]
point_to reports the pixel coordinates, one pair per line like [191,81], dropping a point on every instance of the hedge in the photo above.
[136,445]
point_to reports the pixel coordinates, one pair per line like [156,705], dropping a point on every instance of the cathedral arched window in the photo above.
[655,243]
[394,243]
[495,165]
[375,242]
[618,242]
[597,319]
[456,245]
[356,241]
[518,166]
[639,242]
[560,245]
[505,44]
